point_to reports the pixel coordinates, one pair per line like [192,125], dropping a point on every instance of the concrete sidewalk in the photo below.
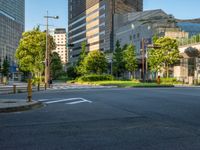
[7,106]
[186,86]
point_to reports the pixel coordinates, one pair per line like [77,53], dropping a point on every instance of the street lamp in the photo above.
[47,62]
[132,27]
[144,57]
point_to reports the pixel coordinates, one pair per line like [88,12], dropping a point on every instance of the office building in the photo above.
[139,28]
[92,21]
[60,37]
[12,18]
[192,26]
[133,27]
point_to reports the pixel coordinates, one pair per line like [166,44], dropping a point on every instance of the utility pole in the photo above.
[143,61]
[47,57]
[47,54]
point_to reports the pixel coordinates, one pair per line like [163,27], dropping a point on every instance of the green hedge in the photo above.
[169,81]
[94,77]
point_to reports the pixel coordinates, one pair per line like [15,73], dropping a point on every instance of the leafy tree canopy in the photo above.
[130,58]
[6,66]
[118,61]
[165,54]
[56,65]
[95,62]
[31,51]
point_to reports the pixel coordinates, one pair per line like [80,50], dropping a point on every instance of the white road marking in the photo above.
[65,87]
[76,102]
[82,100]
[62,100]
[43,100]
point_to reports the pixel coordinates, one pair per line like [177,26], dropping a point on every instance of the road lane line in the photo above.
[62,100]
[43,100]
[76,102]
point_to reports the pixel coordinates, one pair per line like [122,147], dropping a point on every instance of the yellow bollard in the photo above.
[158,80]
[29,91]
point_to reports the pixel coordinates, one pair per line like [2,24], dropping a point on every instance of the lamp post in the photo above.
[47,64]
[132,29]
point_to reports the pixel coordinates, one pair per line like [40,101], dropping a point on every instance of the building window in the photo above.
[138,35]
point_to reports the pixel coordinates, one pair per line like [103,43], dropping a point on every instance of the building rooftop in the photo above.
[59,31]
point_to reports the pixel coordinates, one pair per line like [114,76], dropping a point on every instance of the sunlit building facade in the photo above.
[60,37]
[92,21]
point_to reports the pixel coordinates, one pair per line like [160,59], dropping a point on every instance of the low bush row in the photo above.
[94,77]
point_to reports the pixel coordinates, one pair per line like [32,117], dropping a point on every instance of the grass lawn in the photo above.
[127,84]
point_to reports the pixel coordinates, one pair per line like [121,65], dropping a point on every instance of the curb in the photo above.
[33,105]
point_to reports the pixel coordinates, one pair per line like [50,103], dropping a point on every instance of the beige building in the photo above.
[60,38]
[92,21]
[176,33]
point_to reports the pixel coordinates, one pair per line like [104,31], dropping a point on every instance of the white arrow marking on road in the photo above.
[77,102]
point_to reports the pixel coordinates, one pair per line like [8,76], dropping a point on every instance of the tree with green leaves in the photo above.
[83,52]
[118,61]
[79,66]
[95,62]
[165,54]
[155,60]
[5,69]
[130,59]
[155,38]
[71,72]
[31,51]
[56,65]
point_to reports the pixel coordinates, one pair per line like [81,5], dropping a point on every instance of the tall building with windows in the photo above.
[60,37]
[92,21]
[12,18]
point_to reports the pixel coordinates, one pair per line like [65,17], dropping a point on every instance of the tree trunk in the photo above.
[167,68]
[131,75]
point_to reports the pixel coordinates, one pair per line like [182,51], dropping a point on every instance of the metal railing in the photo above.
[189,41]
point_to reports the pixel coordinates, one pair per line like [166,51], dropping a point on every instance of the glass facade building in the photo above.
[12,22]
[92,21]
[191,28]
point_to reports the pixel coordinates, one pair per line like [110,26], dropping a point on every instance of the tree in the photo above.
[56,65]
[71,72]
[95,62]
[155,38]
[154,60]
[31,51]
[83,54]
[6,66]
[130,59]
[164,54]
[118,62]
[192,52]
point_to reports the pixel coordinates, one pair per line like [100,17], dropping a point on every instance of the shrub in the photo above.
[36,80]
[169,81]
[71,72]
[94,77]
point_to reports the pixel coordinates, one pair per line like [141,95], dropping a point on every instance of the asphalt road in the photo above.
[106,119]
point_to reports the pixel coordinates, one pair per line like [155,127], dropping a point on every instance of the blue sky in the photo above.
[36,9]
